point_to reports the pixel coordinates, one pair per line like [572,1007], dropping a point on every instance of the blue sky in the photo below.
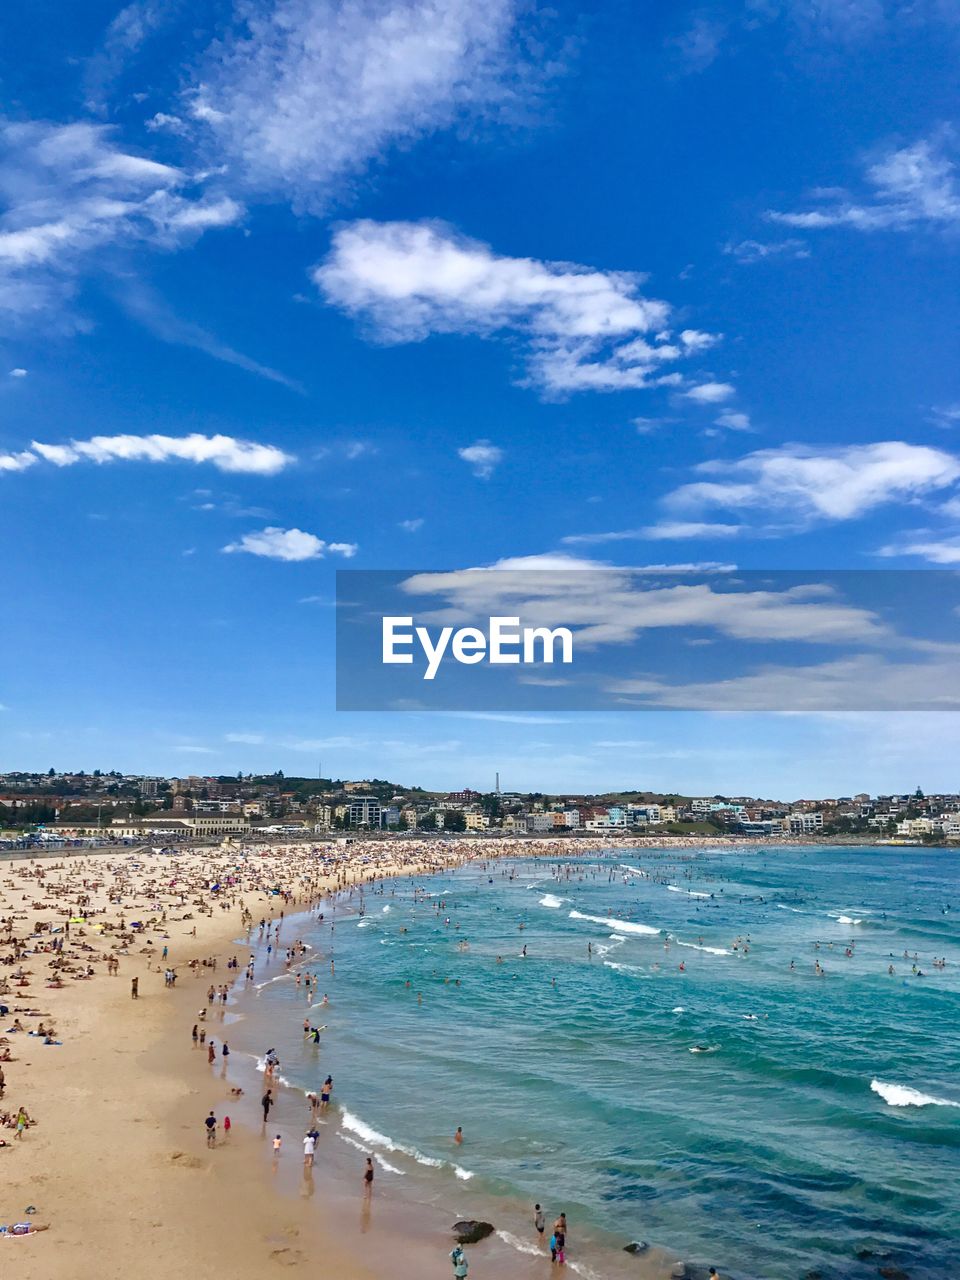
[300,285]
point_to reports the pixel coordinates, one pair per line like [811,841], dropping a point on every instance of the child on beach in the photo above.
[277,1144]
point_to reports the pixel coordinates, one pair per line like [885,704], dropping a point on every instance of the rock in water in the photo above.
[470,1232]
[678,1271]
[636,1246]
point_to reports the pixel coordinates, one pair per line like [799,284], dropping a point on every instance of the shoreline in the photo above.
[115,1164]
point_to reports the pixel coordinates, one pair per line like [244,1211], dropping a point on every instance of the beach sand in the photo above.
[116,1164]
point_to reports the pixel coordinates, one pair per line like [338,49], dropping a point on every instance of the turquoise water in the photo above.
[819,1119]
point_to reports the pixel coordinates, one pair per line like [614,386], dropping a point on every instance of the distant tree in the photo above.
[454,820]
[51,772]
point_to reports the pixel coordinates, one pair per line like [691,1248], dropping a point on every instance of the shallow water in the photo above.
[769,1120]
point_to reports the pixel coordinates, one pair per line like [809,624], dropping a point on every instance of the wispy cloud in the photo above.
[749,252]
[664,531]
[482,457]
[223,452]
[411,526]
[582,329]
[289,544]
[68,193]
[155,316]
[700,44]
[910,186]
[923,545]
[300,96]
[802,484]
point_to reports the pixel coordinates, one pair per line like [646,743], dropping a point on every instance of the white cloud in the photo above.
[302,95]
[17,461]
[247,739]
[835,484]
[751,251]
[911,186]
[608,605]
[858,682]
[411,526]
[223,452]
[664,531]
[710,393]
[700,44]
[929,547]
[155,316]
[583,329]
[67,192]
[289,544]
[733,420]
[18,373]
[946,415]
[483,458]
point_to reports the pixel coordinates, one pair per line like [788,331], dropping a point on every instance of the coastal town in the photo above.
[53,806]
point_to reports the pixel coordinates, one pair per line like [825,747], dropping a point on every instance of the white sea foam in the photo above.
[678,1009]
[901,1095]
[279,978]
[714,951]
[363,924]
[618,926]
[551,900]
[847,920]
[368,1151]
[705,1048]
[691,893]
[624,968]
[521,1246]
[370,1135]
[624,866]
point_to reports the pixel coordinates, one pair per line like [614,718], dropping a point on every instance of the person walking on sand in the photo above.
[460,1264]
[211,1126]
[309,1147]
[134,988]
[277,1144]
[539,1222]
[368,1176]
[211,1052]
[266,1102]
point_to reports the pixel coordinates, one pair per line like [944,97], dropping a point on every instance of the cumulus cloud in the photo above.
[582,329]
[289,544]
[301,95]
[223,452]
[411,526]
[483,458]
[710,393]
[909,186]
[803,483]
[67,192]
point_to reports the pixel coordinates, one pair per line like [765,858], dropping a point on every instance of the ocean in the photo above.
[665,1063]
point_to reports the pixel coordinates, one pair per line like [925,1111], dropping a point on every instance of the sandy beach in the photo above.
[114,1162]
